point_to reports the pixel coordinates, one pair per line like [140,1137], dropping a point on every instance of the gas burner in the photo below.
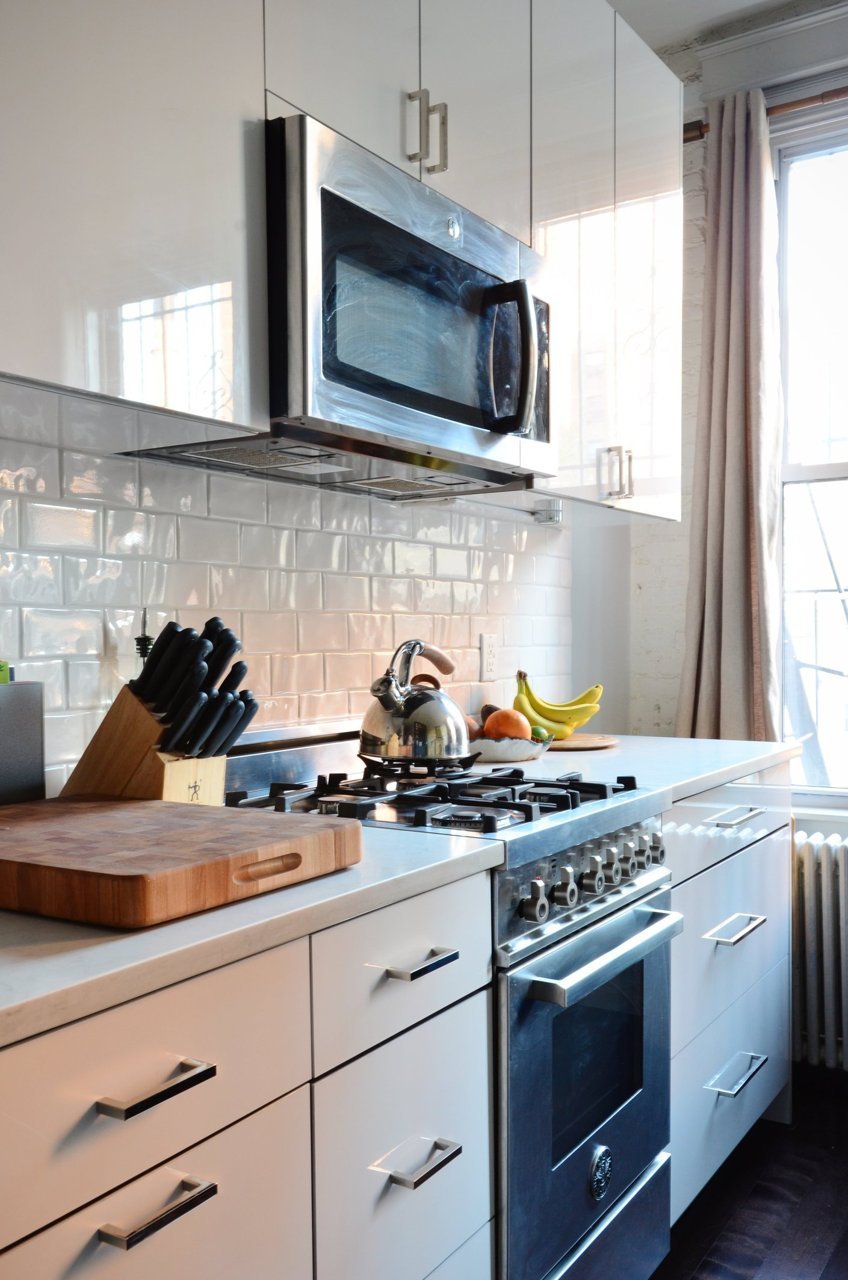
[418,768]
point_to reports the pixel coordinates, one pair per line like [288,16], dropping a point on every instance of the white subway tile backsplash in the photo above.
[97,425]
[28,413]
[207,541]
[8,522]
[369,555]
[451,562]
[92,685]
[297,673]
[468,597]
[165,487]
[346,591]
[10,634]
[98,581]
[238,588]
[234,498]
[30,579]
[50,674]
[432,596]
[263,545]
[277,711]
[295,591]
[345,513]
[123,625]
[468,529]
[294,506]
[84,475]
[369,631]
[322,631]
[67,734]
[258,678]
[29,468]
[55,778]
[323,706]
[320,550]
[134,533]
[413,558]
[433,525]
[50,525]
[347,670]
[266,632]
[392,595]
[390,521]
[174,586]
[49,633]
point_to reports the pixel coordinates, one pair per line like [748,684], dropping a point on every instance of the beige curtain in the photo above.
[730,681]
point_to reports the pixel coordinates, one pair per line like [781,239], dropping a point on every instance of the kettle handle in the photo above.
[439,659]
[406,653]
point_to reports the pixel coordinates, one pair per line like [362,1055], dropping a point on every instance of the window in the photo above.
[813,190]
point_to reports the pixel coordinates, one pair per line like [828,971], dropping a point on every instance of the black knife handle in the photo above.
[180,657]
[161,643]
[191,682]
[234,678]
[183,720]
[212,712]
[211,629]
[227,645]
[251,706]
[233,715]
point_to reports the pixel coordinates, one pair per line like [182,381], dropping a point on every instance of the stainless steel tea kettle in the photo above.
[411,720]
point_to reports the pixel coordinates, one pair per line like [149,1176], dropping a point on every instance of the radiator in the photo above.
[820,949]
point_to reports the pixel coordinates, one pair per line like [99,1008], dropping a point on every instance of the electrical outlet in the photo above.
[487,657]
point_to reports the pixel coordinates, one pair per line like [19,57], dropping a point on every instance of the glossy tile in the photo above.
[433,525]
[97,425]
[369,555]
[295,590]
[91,685]
[175,585]
[321,631]
[67,734]
[468,530]
[237,499]
[29,468]
[369,631]
[51,675]
[346,591]
[207,541]
[49,525]
[269,632]
[164,487]
[392,595]
[96,580]
[29,579]
[468,597]
[451,562]
[261,544]
[123,625]
[324,706]
[413,558]
[85,475]
[135,533]
[347,670]
[390,521]
[258,678]
[432,596]
[10,633]
[54,632]
[28,413]
[320,550]
[344,513]
[9,516]
[238,588]
[294,506]
[296,673]
[277,711]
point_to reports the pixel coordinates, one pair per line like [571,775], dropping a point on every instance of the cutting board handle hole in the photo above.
[270,867]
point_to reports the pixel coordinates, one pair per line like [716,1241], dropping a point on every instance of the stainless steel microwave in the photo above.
[402,327]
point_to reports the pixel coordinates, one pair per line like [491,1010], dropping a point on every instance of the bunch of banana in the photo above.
[559,719]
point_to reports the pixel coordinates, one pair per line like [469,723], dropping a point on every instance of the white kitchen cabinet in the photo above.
[245,1198]
[354,67]
[607,214]
[133,222]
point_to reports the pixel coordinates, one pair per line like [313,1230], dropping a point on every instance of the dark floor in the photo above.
[778,1208]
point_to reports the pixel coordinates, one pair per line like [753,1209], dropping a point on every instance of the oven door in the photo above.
[585,1080]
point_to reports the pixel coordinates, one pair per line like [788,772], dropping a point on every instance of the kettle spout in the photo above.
[387,692]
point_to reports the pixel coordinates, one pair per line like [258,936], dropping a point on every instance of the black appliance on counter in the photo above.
[582,931]
[22,736]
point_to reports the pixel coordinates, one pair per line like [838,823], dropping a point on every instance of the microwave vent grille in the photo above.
[397,485]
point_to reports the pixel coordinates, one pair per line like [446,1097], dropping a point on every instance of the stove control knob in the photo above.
[627,857]
[565,893]
[644,853]
[658,848]
[612,865]
[536,907]
[593,877]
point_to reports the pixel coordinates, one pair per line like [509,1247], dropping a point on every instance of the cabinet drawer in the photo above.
[259,1213]
[387,1114]
[474,1260]
[702,830]
[378,974]
[705,1125]
[748,895]
[249,1020]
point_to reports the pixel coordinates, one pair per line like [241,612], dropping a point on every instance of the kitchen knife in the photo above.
[234,678]
[183,720]
[191,682]
[233,715]
[161,644]
[170,675]
[227,645]
[251,706]
[209,717]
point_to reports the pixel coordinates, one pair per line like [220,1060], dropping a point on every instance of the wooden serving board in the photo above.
[131,863]
[584,742]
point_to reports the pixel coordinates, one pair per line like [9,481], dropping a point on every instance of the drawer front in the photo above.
[259,1213]
[706,828]
[389,1113]
[748,896]
[377,975]
[249,1020]
[474,1260]
[706,1125]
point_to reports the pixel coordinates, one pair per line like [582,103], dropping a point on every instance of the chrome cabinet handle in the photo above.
[754,922]
[445,1151]
[198,1192]
[192,1073]
[624,472]
[566,992]
[440,110]
[435,959]
[746,815]
[422,97]
[757,1060]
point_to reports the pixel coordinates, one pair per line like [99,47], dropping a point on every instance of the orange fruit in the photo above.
[507,723]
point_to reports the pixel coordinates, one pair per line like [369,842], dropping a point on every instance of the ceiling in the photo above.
[670,24]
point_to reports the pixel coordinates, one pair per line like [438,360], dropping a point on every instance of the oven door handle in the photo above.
[517,291]
[566,992]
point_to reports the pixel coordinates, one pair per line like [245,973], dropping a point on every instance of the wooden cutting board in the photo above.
[130,863]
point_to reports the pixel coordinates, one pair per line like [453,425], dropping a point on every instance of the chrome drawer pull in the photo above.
[192,1073]
[440,110]
[198,1192]
[754,922]
[747,815]
[757,1060]
[444,1153]
[437,958]
[422,97]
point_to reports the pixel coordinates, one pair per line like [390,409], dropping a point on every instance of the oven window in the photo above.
[596,1059]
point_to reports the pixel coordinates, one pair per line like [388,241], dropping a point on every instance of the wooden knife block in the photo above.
[122,760]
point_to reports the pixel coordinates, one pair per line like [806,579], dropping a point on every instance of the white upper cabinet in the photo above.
[353,67]
[132,225]
[607,215]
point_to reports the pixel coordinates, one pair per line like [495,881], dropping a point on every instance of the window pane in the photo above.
[815,675]
[815,317]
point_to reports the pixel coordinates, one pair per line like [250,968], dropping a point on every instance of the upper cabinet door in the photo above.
[132,225]
[475,59]
[350,66]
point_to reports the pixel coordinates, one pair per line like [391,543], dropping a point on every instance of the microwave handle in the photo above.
[518,291]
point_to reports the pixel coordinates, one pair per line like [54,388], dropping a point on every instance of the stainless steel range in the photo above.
[582,928]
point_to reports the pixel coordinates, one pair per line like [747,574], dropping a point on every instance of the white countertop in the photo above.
[53,972]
